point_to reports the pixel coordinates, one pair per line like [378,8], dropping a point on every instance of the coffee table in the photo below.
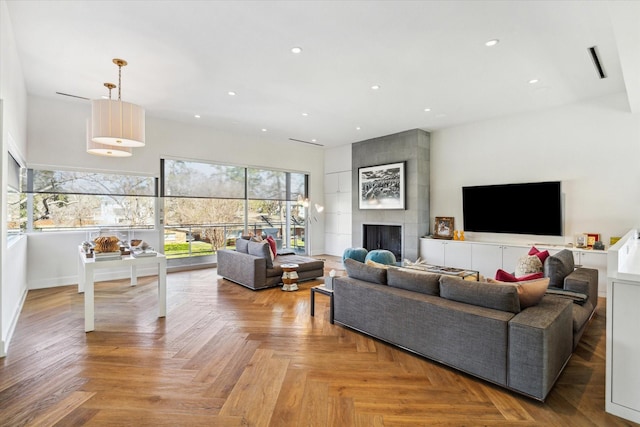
[449,271]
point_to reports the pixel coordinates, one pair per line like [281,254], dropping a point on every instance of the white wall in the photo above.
[592,147]
[57,139]
[13,135]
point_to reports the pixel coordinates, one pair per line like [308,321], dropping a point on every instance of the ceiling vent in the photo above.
[306,142]
[595,56]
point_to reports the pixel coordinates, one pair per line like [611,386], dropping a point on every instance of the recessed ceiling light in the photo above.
[427,109]
[305,114]
[296,49]
[375,87]
[357,127]
[197,116]
[264,130]
[533,81]
[231,93]
[314,140]
[491,43]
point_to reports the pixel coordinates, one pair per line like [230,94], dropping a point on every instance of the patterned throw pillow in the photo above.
[528,264]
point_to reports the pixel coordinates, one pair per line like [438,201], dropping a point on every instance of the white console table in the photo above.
[86,267]
[623,318]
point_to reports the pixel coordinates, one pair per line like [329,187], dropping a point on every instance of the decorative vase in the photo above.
[461,235]
[455,234]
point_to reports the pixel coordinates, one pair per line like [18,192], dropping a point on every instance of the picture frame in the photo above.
[382,186]
[581,240]
[443,228]
[592,238]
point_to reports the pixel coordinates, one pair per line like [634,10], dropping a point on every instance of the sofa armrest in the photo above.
[245,269]
[540,343]
[585,281]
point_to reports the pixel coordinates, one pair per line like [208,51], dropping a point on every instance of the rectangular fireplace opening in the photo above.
[389,237]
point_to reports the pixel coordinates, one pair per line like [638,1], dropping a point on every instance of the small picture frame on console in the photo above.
[592,238]
[443,227]
[581,240]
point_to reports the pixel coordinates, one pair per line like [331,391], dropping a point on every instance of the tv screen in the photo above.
[531,208]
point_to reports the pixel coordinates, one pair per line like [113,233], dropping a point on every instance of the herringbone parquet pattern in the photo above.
[228,356]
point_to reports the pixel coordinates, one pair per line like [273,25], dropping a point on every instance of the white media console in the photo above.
[487,258]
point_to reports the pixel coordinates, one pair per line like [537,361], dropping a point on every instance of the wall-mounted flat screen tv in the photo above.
[530,208]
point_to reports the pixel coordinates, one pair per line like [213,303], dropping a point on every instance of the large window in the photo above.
[207,206]
[16,204]
[72,199]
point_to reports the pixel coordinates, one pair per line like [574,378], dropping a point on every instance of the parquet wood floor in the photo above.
[228,356]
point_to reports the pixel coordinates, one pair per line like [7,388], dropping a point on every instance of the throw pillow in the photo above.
[543,255]
[359,270]
[242,245]
[530,292]
[503,276]
[528,264]
[372,263]
[272,246]
[256,238]
[262,250]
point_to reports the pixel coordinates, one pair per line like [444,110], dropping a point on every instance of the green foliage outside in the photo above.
[178,250]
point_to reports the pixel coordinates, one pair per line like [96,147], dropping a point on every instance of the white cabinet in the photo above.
[449,253]
[488,258]
[622,396]
[337,212]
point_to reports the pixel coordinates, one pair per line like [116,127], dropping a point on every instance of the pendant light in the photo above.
[104,149]
[117,123]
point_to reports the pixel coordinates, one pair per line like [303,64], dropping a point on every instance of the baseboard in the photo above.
[4,344]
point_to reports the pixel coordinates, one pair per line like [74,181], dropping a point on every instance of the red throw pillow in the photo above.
[542,255]
[504,276]
[272,246]
[532,276]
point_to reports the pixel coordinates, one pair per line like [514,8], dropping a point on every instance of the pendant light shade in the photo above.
[115,122]
[103,149]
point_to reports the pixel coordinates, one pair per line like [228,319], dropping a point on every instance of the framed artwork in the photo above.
[382,187]
[443,228]
[592,238]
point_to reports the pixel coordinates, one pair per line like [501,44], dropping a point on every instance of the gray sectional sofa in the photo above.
[256,270]
[476,327]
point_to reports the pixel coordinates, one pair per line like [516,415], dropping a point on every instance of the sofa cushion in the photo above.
[359,270]
[305,263]
[413,280]
[528,264]
[530,292]
[262,250]
[483,294]
[242,245]
[557,267]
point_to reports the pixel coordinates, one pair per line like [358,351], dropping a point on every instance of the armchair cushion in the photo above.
[262,250]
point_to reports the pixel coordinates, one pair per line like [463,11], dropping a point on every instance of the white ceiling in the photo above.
[185,56]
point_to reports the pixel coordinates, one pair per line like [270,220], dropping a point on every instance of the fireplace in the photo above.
[378,236]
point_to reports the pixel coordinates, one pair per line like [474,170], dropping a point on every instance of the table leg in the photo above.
[331,308]
[313,302]
[80,275]
[162,289]
[88,299]
[134,275]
